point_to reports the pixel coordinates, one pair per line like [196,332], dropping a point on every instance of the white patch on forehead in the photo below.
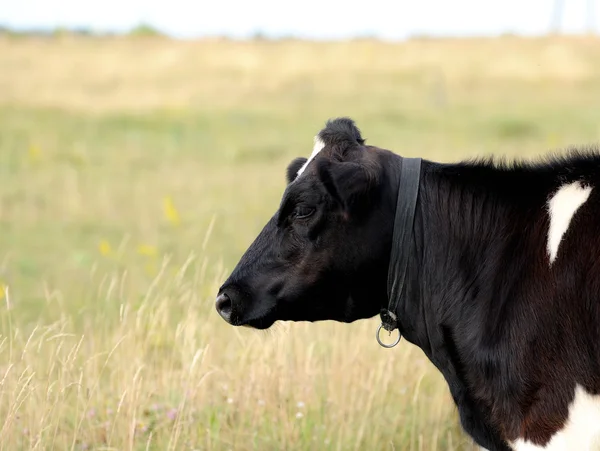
[562,207]
[581,431]
[319,144]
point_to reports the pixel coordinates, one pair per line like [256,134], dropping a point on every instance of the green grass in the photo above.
[127,195]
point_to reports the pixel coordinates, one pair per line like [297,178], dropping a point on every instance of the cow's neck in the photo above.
[454,239]
[457,223]
[453,227]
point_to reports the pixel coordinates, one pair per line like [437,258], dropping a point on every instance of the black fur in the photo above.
[341,133]
[511,333]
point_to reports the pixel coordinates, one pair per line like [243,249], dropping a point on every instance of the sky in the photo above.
[318,19]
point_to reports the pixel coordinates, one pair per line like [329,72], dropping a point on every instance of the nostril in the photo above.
[223,306]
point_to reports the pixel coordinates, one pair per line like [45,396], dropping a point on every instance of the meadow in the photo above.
[135,171]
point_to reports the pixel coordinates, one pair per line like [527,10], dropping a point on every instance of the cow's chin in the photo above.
[260,323]
[258,319]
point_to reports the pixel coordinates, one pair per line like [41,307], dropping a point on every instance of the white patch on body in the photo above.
[316,149]
[581,431]
[562,207]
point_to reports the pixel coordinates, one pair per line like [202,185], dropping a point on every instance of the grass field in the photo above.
[134,173]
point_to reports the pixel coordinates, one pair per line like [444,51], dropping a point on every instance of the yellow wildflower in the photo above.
[104,247]
[34,153]
[3,289]
[147,249]
[171,212]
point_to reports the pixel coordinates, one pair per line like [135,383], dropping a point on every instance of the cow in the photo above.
[491,267]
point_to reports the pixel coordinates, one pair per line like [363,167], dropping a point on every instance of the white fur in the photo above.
[580,433]
[316,149]
[562,207]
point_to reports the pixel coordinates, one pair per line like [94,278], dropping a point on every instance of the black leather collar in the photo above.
[408,193]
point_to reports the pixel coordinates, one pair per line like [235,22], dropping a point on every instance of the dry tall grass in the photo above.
[135,172]
[137,74]
[147,378]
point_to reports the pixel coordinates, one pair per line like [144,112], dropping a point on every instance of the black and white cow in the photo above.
[502,285]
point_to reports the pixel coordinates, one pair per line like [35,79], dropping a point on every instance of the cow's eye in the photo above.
[303,212]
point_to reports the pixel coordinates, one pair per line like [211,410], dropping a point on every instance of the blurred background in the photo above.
[143,145]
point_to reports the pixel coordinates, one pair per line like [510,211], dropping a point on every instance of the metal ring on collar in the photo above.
[382,343]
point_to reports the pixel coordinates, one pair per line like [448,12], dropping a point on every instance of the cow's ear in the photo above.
[294,167]
[348,183]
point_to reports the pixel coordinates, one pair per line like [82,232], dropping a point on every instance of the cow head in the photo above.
[324,253]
